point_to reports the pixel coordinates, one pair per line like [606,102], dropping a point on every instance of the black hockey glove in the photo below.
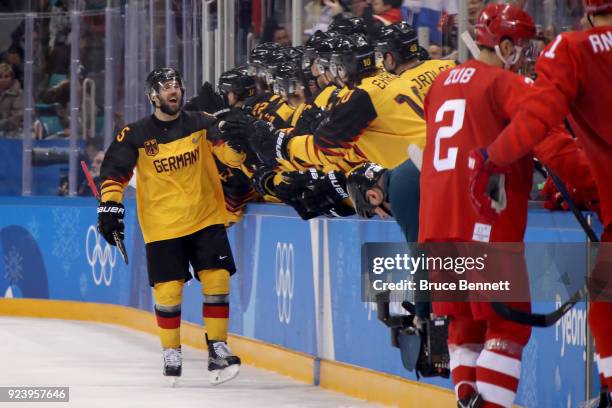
[235,133]
[317,192]
[310,120]
[263,180]
[328,191]
[110,220]
[269,144]
[316,189]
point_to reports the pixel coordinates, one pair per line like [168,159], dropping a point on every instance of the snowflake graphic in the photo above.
[65,244]
[83,287]
[13,266]
[529,381]
[34,228]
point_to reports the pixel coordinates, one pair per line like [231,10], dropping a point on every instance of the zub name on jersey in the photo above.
[172,163]
[459,76]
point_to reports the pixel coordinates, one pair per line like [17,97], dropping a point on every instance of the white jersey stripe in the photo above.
[500,363]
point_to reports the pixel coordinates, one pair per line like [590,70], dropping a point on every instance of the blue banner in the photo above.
[298,284]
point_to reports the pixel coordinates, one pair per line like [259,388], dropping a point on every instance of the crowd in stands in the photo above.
[52,47]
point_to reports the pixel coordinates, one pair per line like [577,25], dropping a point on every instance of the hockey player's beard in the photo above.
[168,109]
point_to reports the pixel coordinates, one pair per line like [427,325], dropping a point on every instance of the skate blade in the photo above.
[220,376]
[592,403]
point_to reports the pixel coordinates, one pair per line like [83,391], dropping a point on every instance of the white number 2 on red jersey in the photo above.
[457,107]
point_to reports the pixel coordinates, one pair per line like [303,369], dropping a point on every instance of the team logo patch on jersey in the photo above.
[151,148]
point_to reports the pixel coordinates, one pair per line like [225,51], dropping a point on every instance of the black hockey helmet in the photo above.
[304,62]
[400,40]
[359,181]
[271,63]
[315,38]
[310,48]
[323,51]
[352,58]
[158,76]
[259,53]
[348,26]
[423,54]
[289,78]
[293,54]
[259,56]
[237,81]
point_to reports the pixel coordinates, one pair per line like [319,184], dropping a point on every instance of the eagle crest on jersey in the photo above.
[150,147]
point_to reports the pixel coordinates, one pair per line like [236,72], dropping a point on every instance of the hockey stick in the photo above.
[470,44]
[94,191]
[540,319]
[416,155]
[548,319]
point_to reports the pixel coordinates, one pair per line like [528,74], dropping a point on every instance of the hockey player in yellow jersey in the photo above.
[376,119]
[181,213]
[399,47]
[265,105]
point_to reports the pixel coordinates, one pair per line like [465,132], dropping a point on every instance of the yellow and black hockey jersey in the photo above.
[271,108]
[376,121]
[329,97]
[178,186]
[422,76]
[236,182]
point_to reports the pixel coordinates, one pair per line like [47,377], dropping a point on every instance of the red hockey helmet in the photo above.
[598,6]
[499,21]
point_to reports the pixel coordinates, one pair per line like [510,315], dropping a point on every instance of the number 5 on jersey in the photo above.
[457,107]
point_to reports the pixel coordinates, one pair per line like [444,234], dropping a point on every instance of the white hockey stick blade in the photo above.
[416,155]
[470,44]
[220,376]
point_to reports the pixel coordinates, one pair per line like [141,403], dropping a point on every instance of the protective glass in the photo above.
[168,85]
[333,68]
[269,78]
[251,70]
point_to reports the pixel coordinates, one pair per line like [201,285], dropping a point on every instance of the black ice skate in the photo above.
[603,401]
[173,362]
[475,401]
[222,364]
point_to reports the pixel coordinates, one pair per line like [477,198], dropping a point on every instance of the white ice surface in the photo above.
[111,366]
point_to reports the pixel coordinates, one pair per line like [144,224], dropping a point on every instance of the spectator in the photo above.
[273,32]
[281,36]
[14,56]
[474,7]
[11,102]
[435,51]
[94,170]
[387,11]
[58,43]
[92,148]
[358,7]
[319,14]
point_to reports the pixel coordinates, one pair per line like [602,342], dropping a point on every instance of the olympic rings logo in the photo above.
[284,270]
[103,257]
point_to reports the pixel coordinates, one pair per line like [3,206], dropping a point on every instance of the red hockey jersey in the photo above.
[466,108]
[575,77]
